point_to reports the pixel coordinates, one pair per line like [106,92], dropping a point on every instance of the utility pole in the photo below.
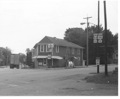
[87,56]
[97,52]
[105,18]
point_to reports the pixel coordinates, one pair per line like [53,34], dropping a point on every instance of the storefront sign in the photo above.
[49,57]
[97,61]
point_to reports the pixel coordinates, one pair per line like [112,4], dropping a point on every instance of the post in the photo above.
[87,39]
[97,52]
[87,45]
[105,19]
[52,56]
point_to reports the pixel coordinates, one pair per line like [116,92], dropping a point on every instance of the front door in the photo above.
[44,61]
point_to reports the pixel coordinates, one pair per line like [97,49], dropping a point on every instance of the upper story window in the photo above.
[49,47]
[73,51]
[45,47]
[41,48]
[57,49]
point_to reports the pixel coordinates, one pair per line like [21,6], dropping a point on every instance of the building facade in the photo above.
[54,52]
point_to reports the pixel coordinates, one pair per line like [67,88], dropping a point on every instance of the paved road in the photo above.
[53,82]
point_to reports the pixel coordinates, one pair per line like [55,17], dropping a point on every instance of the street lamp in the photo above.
[83,23]
[87,59]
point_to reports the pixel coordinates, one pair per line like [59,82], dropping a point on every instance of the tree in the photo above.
[5,54]
[22,58]
[29,57]
[1,56]
[76,35]
[115,41]
[101,49]
[92,46]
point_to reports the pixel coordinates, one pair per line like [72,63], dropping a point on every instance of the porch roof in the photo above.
[54,57]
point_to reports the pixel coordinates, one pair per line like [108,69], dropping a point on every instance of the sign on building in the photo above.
[49,57]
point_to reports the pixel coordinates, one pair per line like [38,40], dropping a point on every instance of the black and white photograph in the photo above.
[59,48]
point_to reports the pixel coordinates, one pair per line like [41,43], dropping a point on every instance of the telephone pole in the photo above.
[87,56]
[97,52]
[105,18]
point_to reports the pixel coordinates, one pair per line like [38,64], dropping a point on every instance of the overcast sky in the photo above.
[23,23]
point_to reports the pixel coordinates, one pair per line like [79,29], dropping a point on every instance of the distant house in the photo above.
[54,52]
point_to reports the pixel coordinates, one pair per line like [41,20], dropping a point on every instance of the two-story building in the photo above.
[54,52]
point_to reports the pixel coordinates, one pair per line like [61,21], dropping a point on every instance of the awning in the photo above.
[57,57]
[39,57]
[54,57]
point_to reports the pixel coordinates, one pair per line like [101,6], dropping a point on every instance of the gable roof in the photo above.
[59,42]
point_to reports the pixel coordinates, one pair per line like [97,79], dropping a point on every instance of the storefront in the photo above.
[47,61]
